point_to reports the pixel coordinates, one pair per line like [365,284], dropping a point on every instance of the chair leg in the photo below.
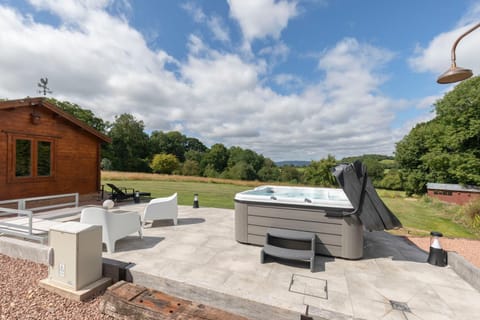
[140,233]
[175,221]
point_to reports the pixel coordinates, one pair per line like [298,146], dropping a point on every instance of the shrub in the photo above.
[471,210]
[191,168]
[164,163]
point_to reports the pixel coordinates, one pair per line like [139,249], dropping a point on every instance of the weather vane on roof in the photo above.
[43,84]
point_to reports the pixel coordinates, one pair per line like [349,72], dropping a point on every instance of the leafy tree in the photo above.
[290,174]
[82,114]
[375,169]
[447,148]
[320,172]
[210,172]
[216,158]
[175,143]
[392,180]
[194,155]
[269,171]
[191,168]
[129,146]
[164,163]
[193,144]
[172,142]
[240,171]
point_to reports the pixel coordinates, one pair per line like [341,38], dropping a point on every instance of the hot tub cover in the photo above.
[359,189]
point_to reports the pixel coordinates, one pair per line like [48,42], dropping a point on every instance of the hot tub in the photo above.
[300,208]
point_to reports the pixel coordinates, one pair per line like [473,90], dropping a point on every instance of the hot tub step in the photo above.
[287,253]
[292,254]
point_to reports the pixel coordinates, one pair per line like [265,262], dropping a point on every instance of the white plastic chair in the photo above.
[115,226]
[161,208]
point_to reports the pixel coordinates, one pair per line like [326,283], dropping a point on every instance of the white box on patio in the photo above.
[77,255]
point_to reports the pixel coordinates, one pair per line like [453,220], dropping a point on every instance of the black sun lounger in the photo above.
[120,193]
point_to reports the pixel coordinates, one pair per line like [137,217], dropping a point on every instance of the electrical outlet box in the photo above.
[77,255]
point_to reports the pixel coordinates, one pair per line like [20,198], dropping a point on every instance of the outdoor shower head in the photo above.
[455,73]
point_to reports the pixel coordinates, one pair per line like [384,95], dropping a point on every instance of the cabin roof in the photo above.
[43,102]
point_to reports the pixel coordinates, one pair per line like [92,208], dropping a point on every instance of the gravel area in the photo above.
[469,249]
[22,298]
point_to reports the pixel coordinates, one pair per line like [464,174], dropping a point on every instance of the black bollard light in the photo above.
[195,201]
[437,256]
[136,197]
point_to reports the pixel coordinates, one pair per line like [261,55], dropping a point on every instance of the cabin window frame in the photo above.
[34,158]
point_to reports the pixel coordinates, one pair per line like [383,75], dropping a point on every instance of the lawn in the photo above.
[418,216]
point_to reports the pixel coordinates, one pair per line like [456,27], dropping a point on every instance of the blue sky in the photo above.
[288,79]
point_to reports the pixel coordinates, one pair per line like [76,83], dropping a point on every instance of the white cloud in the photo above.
[70,10]
[262,18]
[195,11]
[288,80]
[436,56]
[219,97]
[428,102]
[218,28]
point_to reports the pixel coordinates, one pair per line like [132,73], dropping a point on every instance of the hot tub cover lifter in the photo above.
[359,189]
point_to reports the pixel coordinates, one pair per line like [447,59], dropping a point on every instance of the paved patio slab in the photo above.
[199,260]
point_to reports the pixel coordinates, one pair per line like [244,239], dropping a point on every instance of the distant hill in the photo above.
[295,163]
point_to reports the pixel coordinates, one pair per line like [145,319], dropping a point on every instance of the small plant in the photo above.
[471,210]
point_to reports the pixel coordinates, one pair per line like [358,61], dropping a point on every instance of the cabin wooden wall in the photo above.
[76,155]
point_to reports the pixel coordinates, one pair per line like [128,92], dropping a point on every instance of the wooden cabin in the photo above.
[46,151]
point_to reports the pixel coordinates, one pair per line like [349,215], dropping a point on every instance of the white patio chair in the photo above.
[115,226]
[161,208]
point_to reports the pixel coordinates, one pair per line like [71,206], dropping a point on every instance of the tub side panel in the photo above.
[352,238]
[241,222]
[329,230]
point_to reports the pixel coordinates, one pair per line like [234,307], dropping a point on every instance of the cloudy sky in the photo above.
[291,79]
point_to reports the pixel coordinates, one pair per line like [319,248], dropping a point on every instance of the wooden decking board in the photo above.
[126,300]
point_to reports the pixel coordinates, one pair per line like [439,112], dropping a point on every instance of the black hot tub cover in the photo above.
[371,210]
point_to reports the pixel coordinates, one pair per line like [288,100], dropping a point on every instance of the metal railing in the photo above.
[22,203]
[27,230]
[16,229]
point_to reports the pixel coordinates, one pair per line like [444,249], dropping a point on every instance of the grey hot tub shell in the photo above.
[336,236]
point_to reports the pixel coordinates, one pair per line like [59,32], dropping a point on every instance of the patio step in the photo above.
[276,250]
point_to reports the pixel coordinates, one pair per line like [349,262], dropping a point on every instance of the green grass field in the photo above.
[418,216]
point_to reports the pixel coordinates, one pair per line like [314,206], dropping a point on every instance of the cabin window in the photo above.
[44,158]
[23,158]
[31,158]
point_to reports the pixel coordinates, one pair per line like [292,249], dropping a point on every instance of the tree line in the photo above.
[445,149]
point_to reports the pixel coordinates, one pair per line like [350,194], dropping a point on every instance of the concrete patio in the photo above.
[199,260]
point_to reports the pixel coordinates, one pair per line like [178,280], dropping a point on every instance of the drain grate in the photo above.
[309,286]
[400,306]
